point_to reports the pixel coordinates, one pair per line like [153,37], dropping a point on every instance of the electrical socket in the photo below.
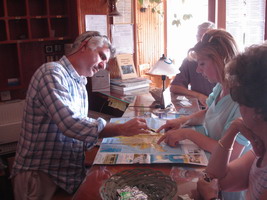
[5,95]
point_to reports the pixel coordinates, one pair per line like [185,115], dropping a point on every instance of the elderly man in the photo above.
[56,130]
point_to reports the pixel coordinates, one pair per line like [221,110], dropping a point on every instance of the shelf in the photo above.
[3,32]
[16,7]
[60,26]
[18,29]
[58,7]
[39,28]
[37,7]
[8,66]
[2,10]
[27,27]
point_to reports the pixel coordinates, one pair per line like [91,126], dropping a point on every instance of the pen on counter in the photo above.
[150,129]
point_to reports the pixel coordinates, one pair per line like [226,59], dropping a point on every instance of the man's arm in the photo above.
[132,127]
[184,91]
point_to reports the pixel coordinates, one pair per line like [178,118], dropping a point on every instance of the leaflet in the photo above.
[143,149]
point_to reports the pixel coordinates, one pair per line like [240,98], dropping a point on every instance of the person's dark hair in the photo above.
[246,75]
[217,44]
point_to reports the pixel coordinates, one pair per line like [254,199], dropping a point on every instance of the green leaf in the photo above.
[187,16]
[176,22]
[141,2]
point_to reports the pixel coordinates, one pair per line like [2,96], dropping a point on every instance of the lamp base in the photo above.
[164,113]
[166,98]
[162,97]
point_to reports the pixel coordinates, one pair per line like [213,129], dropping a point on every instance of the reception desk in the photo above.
[184,175]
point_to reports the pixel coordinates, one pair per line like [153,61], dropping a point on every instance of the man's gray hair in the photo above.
[95,40]
[206,25]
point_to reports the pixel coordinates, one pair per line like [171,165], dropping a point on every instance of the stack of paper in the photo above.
[126,86]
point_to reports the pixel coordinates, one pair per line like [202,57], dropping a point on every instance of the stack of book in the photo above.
[130,85]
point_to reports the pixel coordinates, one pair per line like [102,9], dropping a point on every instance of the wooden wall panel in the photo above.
[149,38]
[148,33]
[221,21]
[90,7]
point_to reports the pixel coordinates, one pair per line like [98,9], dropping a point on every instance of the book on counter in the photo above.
[135,91]
[130,81]
[127,86]
[116,87]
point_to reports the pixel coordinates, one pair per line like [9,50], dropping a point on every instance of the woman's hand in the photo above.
[208,190]
[172,124]
[257,144]
[173,137]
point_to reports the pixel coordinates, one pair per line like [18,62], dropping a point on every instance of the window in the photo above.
[181,32]
[245,20]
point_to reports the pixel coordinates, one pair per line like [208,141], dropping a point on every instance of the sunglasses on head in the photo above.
[95,34]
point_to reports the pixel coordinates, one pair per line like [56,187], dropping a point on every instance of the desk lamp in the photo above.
[113,8]
[164,67]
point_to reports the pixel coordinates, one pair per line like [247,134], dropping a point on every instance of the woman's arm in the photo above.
[173,137]
[237,150]
[234,175]
[191,120]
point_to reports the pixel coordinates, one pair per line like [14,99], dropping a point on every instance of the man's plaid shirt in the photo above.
[56,130]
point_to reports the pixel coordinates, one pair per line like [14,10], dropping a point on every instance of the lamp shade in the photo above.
[164,66]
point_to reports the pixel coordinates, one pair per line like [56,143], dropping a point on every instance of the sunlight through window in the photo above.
[183,17]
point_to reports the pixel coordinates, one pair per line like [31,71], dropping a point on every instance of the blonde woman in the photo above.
[216,48]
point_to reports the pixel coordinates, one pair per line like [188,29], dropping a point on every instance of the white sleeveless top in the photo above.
[257,181]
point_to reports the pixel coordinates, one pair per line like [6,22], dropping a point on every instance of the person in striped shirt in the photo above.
[56,129]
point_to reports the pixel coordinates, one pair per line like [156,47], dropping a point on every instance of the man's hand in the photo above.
[202,99]
[133,127]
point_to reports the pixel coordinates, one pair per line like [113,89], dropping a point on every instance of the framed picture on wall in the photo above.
[126,66]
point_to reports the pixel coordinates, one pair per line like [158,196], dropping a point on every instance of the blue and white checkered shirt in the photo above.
[56,130]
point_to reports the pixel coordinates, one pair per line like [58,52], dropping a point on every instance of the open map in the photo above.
[143,149]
